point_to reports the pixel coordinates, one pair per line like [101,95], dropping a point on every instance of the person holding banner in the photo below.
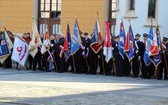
[144,69]
[59,56]
[162,66]
[139,54]
[86,43]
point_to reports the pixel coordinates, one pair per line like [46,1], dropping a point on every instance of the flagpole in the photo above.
[73,63]
[13,35]
[156,68]
[164,56]
[101,50]
[135,49]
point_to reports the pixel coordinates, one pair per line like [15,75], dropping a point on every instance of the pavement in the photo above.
[27,87]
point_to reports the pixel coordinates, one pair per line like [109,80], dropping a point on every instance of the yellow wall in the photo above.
[16,15]
[85,11]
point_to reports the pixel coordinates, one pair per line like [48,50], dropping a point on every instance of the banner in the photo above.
[4,50]
[35,40]
[46,41]
[129,44]
[121,41]
[20,51]
[96,41]
[107,51]
[75,40]
[147,47]
[157,59]
[67,43]
[8,40]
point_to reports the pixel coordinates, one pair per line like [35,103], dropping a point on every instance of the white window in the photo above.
[56,28]
[130,9]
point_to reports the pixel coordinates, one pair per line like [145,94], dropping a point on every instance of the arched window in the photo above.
[152,8]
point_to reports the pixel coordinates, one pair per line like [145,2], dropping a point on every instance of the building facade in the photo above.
[140,13]
[16,15]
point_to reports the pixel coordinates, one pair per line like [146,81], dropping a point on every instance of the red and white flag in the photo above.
[20,51]
[107,51]
[96,40]
[154,48]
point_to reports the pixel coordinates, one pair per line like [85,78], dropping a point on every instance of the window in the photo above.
[55,29]
[151,9]
[132,4]
[130,12]
[42,28]
[50,8]
[113,8]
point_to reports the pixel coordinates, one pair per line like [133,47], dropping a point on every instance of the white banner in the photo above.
[20,51]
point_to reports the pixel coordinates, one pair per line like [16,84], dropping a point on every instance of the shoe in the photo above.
[48,70]
[100,73]
[159,78]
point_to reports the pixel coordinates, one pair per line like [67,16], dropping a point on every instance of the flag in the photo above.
[156,59]
[96,42]
[35,41]
[67,43]
[121,41]
[9,42]
[107,51]
[3,59]
[75,40]
[20,51]
[154,49]
[147,47]
[4,50]
[46,41]
[129,44]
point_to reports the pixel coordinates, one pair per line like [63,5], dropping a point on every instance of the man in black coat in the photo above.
[117,57]
[59,58]
[86,45]
[162,67]
[139,51]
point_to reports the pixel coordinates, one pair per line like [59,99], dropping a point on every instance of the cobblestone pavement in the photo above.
[50,88]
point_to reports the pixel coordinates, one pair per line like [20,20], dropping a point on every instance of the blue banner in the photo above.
[147,47]
[121,41]
[75,39]
[3,45]
[96,43]
[68,52]
[157,59]
[130,53]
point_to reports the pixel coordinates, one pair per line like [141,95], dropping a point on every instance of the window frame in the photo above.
[49,21]
[132,5]
[152,10]
[50,11]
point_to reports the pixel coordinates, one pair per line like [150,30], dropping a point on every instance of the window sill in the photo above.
[130,14]
[117,9]
[148,22]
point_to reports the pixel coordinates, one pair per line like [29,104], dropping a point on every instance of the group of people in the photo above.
[85,60]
